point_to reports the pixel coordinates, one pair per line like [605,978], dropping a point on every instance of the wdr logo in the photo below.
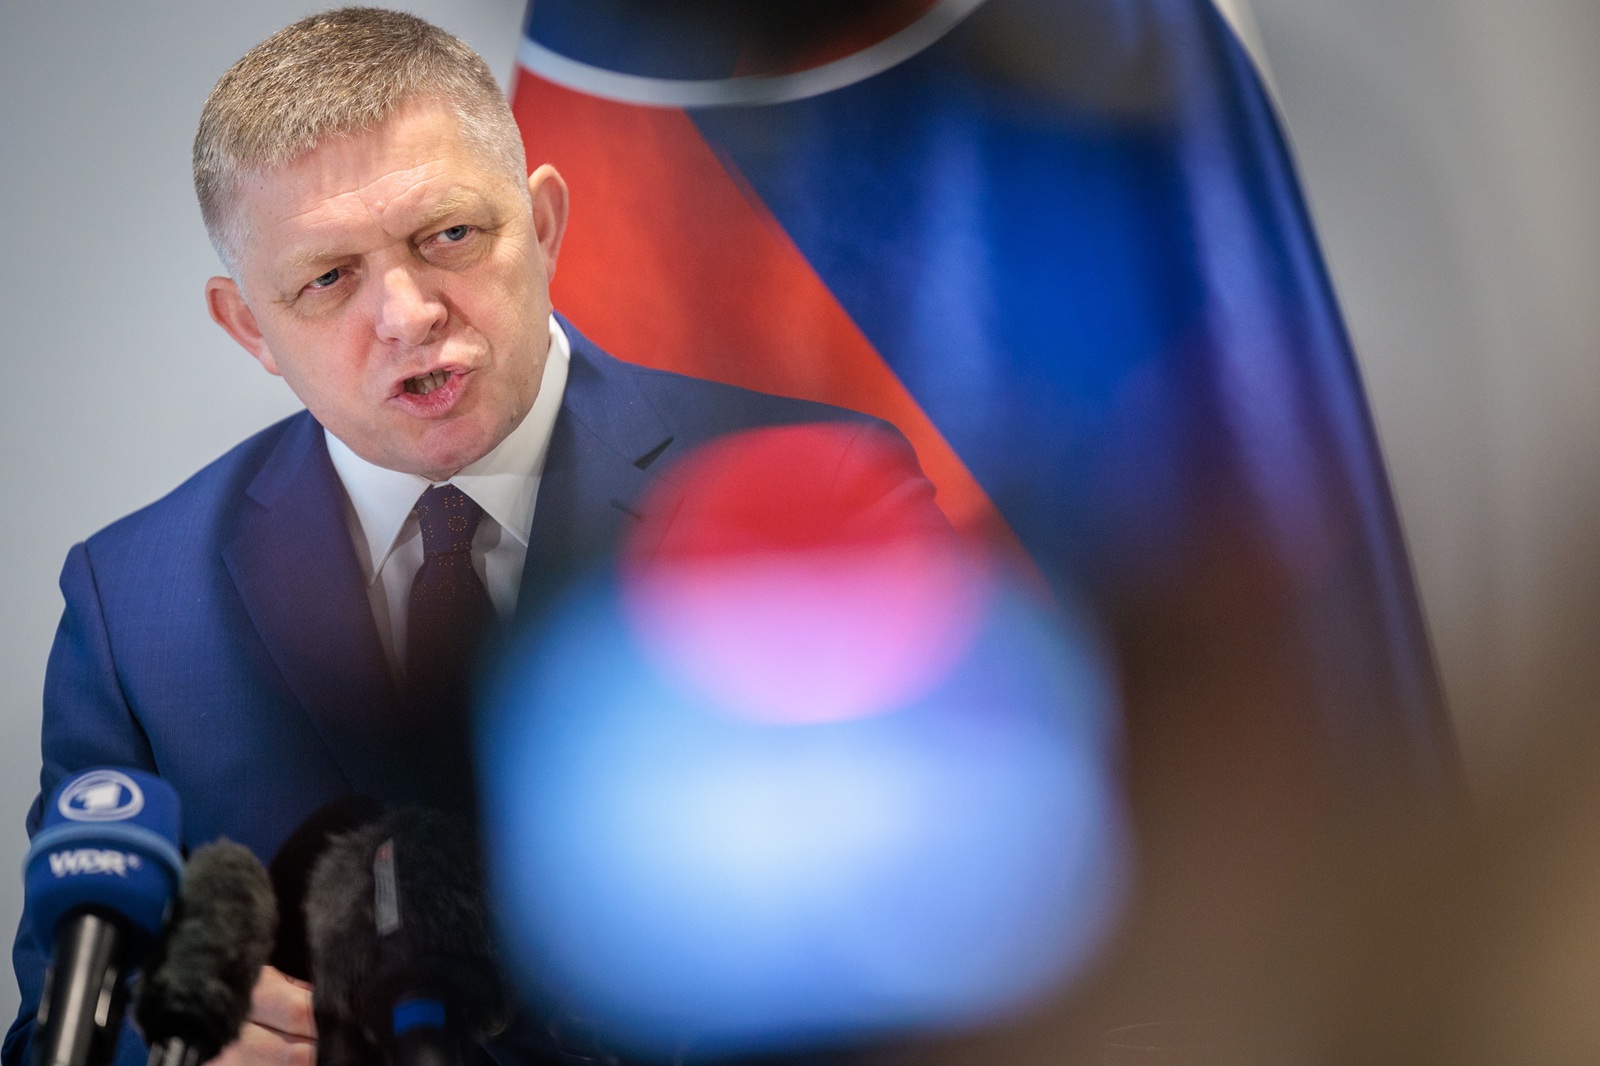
[92,861]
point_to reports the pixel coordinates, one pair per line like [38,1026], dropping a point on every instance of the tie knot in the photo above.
[449,519]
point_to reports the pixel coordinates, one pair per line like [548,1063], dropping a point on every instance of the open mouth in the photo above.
[423,384]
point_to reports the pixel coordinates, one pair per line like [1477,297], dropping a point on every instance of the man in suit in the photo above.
[255,637]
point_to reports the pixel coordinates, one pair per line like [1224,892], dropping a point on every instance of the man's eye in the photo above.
[322,281]
[455,234]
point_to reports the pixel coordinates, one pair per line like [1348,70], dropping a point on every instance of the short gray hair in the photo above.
[336,74]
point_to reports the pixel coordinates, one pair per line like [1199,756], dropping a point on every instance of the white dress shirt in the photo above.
[505,483]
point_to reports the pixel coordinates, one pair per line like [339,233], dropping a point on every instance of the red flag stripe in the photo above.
[672,261]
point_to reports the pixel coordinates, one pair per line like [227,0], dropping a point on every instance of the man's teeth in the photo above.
[426,383]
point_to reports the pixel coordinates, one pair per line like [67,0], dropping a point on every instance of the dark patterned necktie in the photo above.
[449,610]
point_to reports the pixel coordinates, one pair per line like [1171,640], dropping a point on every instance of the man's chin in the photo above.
[442,460]
[444,469]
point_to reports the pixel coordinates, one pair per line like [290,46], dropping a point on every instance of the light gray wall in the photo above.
[1449,147]
[121,386]
[1451,150]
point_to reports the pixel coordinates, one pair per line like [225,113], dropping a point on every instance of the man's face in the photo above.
[399,283]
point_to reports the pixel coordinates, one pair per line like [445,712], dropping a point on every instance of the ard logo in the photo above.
[101,796]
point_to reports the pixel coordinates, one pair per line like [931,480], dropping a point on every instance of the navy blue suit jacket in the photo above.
[222,637]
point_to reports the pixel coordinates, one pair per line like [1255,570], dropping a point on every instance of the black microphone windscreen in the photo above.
[432,928]
[291,869]
[197,983]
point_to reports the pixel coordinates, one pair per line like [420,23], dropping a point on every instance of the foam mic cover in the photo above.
[195,993]
[99,876]
[290,870]
[400,945]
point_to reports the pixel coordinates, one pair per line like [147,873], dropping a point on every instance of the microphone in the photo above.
[99,876]
[291,867]
[400,948]
[195,992]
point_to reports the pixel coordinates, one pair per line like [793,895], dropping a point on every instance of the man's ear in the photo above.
[228,310]
[549,193]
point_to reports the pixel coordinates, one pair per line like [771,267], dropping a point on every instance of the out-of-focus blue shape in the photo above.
[674,872]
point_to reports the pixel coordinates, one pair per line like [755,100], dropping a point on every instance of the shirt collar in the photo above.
[504,482]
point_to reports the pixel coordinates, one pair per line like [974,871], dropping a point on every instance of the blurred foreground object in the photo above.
[401,960]
[804,771]
[1476,947]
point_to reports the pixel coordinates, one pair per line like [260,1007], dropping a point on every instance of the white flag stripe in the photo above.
[1243,20]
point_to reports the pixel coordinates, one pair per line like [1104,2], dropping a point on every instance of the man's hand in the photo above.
[281,1030]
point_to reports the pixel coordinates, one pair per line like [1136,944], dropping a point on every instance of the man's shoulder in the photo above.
[692,407]
[716,402]
[206,503]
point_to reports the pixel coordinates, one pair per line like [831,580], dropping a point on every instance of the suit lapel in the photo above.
[297,573]
[605,440]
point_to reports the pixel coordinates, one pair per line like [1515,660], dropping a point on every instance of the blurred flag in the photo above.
[1061,245]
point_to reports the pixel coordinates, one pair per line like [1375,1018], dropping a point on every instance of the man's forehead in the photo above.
[398,199]
[344,224]
[409,171]
[339,181]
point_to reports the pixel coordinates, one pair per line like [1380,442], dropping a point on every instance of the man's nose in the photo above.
[408,310]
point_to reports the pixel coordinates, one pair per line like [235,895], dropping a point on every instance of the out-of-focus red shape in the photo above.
[801,574]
